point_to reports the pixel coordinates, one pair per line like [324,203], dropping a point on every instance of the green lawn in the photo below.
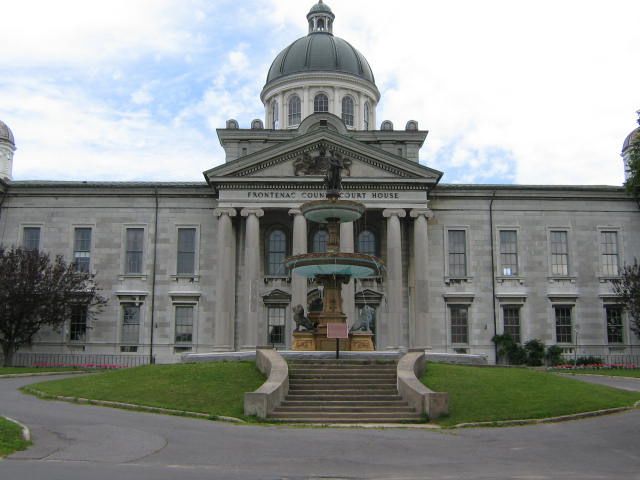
[11,438]
[487,394]
[213,388]
[614,372]
[19,370]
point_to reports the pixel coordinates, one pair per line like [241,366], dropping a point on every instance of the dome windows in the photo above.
[347,111]
[320,103]
[295,111]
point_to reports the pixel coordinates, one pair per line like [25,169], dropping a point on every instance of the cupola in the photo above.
[320,73]
[320,18]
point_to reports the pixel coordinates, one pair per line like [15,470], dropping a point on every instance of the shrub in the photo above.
[554,355]
[535,352]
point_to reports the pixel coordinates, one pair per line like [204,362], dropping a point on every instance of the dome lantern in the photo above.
[320,18]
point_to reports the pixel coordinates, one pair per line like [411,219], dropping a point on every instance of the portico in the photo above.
[259,198]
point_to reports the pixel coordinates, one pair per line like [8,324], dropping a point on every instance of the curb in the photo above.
[597,376]
[537,421]
[132,406]
[42,374]
[26,433]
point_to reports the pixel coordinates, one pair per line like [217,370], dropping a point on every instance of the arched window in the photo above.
[274,115]
[276,253]
[320,24]
[347,111]
[321,103]
[295,111]
[320,241]
[366,116]
[367,242]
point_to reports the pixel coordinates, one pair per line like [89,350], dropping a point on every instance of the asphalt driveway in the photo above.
[88,442]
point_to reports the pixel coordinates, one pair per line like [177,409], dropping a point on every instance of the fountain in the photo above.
[332,268]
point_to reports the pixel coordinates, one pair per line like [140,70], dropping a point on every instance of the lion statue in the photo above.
[301,320]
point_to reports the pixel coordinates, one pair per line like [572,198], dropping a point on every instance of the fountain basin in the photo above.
[321,211]
[354,265]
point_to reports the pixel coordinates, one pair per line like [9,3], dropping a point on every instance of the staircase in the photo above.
[343,391]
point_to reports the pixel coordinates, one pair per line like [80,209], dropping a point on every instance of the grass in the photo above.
[20,370]
[216,388]
[478,394]
[613,372]
[11,438]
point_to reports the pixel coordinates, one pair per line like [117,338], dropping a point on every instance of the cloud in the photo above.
[529,92]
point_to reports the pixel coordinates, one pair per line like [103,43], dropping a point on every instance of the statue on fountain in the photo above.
[302,321]
[333,178]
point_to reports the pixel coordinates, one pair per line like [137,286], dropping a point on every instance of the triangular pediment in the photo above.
[303,160]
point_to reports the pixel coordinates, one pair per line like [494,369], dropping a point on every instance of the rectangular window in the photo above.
[459,323]
[509,252]
[511,317]
[186,251]
[31,238]
[78,323]
[563,324]
[559,253]
[135,245]
[130,324]
[184,323]
[614,324]
[275,325]
[82,249]
[610,253]
[457,253]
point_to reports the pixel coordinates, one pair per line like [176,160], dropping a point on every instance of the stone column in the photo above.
[299,246]
[224,321]
[348,290]
[394,287]
[420,336]
[251,290]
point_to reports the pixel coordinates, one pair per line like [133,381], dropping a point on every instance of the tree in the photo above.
[37,291]
[632,184]
[627,288]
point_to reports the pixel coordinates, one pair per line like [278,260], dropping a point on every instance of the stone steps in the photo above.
[343,391]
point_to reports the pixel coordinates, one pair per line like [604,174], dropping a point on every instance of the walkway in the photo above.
[80,442]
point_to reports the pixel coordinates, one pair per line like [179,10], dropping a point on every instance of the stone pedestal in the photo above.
[304,341]
[361,341]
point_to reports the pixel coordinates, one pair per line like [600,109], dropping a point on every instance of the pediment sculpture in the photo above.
[318,163]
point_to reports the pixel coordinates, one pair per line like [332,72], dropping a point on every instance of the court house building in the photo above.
[199,267]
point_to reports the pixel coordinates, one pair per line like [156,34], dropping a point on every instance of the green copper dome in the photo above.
[6,135]
[320,51]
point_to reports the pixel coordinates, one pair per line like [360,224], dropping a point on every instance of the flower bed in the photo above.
[595,366]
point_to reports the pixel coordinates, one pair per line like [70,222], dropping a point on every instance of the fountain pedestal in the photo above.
[332,269]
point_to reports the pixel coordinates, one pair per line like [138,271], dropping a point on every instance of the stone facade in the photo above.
[198,267]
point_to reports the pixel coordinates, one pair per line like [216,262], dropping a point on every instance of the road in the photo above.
[88,442]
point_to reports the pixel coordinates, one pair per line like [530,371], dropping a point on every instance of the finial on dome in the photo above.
[320,18]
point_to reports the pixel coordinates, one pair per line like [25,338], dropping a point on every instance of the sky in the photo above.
[524,92]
